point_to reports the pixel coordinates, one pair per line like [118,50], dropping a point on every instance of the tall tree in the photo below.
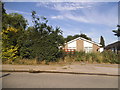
[3,9]
[14,20]
[45,39]
[13,28]
[102,41]
[117,32]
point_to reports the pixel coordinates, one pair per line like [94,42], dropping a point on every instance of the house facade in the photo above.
[81,44]
[114,47]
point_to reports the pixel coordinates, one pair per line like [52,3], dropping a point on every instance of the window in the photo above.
[71,47]
[88,49]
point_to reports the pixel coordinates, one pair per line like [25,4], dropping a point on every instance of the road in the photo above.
[55,80]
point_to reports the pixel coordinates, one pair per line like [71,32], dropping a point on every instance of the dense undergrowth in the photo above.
[104,57]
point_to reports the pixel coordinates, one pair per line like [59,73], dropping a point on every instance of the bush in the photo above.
[80,56]
[110,57]
[104,57]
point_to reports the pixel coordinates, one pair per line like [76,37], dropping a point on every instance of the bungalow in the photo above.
[115,47]
[82,44]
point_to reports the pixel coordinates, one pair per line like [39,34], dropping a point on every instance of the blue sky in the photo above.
[94,19]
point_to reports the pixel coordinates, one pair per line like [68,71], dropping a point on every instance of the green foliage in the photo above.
[85,36]
[13,27]
[117,32]
[40,41]
[3,10]
[45,40]
[80,56]
[104,57]
[14,20]
[70,37]
[18,21]
[111,57]
[9,44]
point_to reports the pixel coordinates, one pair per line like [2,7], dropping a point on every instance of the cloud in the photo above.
[15,11]
[20,12]
[57,17]
[77,18]
[71,17]
[64,6]
[87,12]
[70,31]
[92,16]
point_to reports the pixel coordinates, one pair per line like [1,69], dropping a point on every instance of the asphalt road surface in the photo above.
[55,80]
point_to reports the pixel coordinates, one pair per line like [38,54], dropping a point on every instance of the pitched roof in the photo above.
[115,44]
[84,40]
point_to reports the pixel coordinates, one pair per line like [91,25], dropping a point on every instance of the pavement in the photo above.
[75,68]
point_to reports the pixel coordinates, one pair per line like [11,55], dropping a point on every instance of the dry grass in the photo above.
[22,61]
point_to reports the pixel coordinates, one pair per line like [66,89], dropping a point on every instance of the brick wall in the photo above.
[66,46]
[79,45]
[95,47]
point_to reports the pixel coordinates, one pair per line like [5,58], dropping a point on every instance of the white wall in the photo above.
[87,44]
[101,50]
[72,45]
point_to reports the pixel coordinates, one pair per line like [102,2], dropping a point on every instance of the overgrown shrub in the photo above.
[80,56]
[104,57]
[110,57]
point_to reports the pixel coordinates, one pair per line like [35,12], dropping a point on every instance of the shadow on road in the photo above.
[73,73]
[5,75]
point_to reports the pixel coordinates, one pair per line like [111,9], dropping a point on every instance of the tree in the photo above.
[41,41]
[3,10]
[102,41]
[45,39]
[13,28]
[14,20]
[70,37]
[117,32]
[9,44]
[25,44]
[85,36]
[76,36]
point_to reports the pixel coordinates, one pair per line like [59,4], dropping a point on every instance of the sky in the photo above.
[94,19]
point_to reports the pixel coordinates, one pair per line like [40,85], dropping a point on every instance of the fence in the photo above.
[69,51]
